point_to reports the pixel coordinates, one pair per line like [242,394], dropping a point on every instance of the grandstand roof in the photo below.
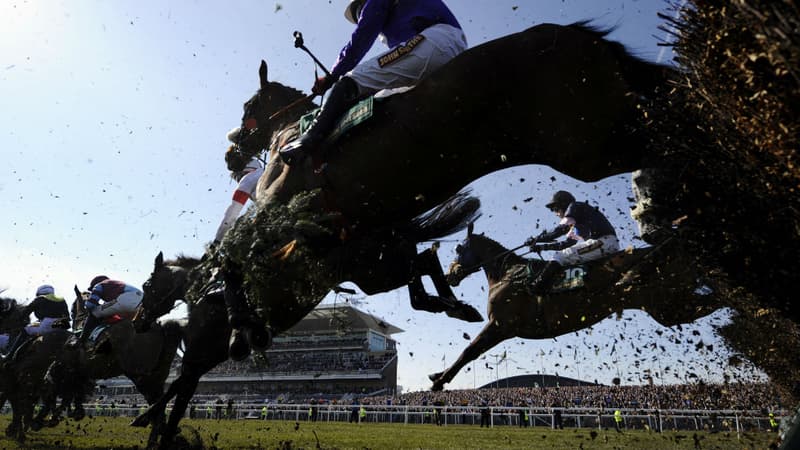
[537,380]
[335,318]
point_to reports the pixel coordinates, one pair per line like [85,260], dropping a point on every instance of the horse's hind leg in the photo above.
[490,336]
[427,263]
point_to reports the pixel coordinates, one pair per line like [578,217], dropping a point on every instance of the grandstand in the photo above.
[335,350]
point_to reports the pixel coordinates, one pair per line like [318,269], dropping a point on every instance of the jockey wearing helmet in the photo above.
[422,35]
[590,236]
[109,297]
[246,175]
[48,308]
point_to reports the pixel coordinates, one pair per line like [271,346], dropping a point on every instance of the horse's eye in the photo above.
[459,249]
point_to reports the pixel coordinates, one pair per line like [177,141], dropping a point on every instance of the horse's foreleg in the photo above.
[490,336]
[185,393]
[157,409]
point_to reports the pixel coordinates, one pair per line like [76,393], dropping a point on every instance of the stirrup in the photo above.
[293,152]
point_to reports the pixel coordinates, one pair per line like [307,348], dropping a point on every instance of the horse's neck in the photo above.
[495,258]
[15,321]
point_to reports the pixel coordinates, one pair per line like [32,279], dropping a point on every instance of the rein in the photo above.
[475,267]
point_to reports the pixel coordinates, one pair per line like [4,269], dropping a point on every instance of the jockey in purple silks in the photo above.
[422,35]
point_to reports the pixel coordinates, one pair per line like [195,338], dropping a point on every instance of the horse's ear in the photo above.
[77,291]
[262,74]
[470,227]
[159,259]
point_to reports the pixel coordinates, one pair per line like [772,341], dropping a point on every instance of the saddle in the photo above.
[571,277]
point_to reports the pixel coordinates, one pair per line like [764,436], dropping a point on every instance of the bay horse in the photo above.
[205,335]
[669,293]
[21,376]
[145,358]
[562,96]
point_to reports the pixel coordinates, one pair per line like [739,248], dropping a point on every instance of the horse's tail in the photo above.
[644,77]
[447,218]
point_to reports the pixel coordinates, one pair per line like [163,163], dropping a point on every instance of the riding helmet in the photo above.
[353,10]
[96,280]
[45,289]
[560,201]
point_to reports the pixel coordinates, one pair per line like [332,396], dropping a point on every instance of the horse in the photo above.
[145,358]
[21,374]
[208,330]
[563,96]
[205,335]
[665,286]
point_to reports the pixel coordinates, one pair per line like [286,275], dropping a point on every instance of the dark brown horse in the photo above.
[563,96]
[21,375]
[144,358]
[670,294]
[205,336]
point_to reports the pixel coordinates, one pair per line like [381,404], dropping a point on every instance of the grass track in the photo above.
[107,433]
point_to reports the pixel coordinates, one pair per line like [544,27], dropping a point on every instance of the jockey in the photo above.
[590,236]
[108,297]
[246,175]
[422,35]
[48,308]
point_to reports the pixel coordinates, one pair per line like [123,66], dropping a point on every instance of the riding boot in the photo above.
[539,285]
[343,95]
[88,326]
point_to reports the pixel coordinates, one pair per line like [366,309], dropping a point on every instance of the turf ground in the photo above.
[108,432]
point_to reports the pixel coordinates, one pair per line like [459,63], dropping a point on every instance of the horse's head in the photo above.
[12,317]
[267,111]
[467,260]
[166,285]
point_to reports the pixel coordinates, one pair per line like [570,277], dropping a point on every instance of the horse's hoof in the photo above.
[434,376]
[36,425]
[238,347]
[464,312]
[79,414]
[142,420]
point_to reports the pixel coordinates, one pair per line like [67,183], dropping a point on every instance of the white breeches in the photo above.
[442,43]
[588,250]
[125,305]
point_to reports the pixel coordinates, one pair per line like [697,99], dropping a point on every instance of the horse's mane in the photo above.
[510,259]
[292,92]
[183,261]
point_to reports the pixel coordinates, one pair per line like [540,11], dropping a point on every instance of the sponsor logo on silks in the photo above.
[573,279]
[400,51]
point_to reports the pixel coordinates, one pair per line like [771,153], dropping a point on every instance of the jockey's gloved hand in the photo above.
[531,242]
[323,84]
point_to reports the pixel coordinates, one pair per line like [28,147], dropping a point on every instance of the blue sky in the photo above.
[114,117]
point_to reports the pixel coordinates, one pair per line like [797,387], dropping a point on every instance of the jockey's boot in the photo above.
[539,285]
[343,95]
[88,326]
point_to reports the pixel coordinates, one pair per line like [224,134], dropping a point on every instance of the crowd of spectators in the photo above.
[742,396]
